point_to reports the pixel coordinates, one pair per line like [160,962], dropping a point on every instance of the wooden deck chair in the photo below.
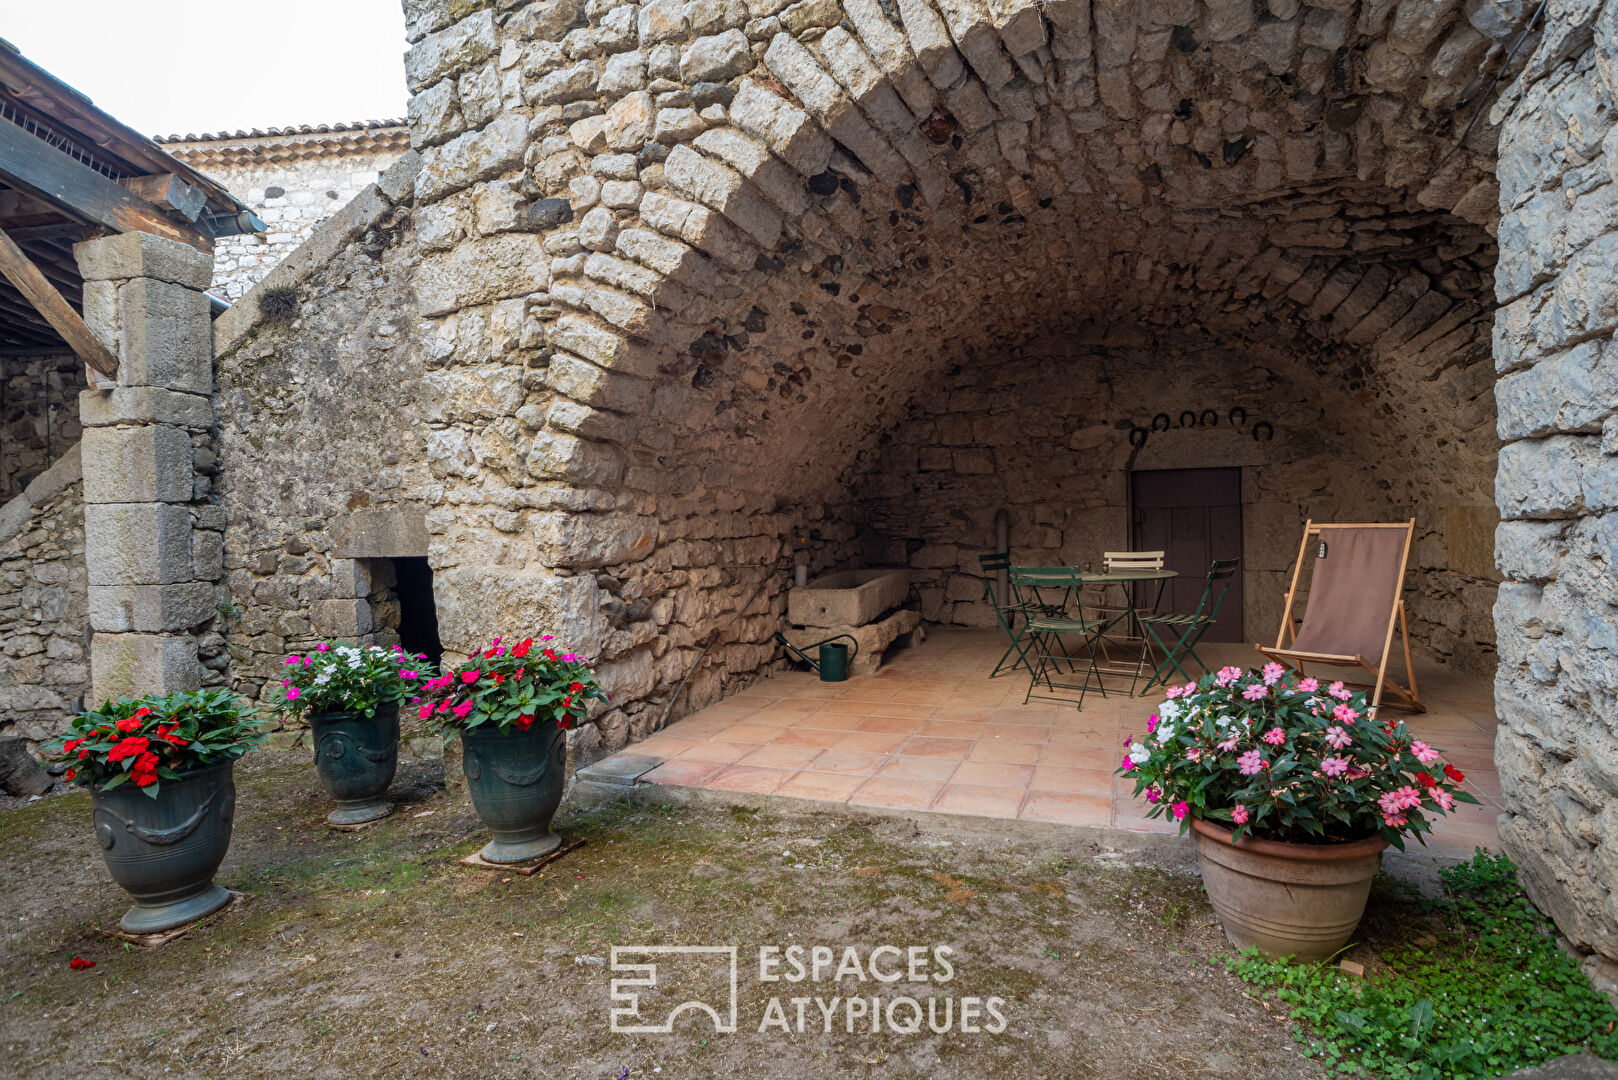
[1355,604]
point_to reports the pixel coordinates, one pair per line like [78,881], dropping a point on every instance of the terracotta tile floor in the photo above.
[932,732]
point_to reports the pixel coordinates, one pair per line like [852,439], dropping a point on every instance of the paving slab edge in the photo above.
[1169,851]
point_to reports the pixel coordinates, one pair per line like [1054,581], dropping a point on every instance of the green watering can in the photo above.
[834,656]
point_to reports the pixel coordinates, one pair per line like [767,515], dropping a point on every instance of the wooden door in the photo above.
[1195,517]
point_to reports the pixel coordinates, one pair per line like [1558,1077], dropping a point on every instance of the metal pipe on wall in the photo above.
[1002,544]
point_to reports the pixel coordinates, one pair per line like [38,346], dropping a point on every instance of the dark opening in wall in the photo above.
[418,614]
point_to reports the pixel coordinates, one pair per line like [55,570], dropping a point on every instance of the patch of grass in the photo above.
[278,304]
[1489,993]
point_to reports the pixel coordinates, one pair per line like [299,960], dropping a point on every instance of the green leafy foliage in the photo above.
[1491,995]
[155,738]
[512,687]
[1282,757]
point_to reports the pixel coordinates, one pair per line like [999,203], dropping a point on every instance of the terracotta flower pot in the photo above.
[515,779]
[164,851]
[356,755]
[1298,900]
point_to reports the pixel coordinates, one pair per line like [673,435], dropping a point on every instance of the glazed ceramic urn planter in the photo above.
[1297,900]
[164,851]
[356,755]
[515,779]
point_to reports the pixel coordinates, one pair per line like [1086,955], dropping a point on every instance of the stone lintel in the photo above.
[380,534]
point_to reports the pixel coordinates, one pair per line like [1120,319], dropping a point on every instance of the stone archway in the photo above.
[681,268]
[743,241]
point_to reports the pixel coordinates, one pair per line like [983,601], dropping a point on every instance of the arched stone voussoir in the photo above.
[853,261]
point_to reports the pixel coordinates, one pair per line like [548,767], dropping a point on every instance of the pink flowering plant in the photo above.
[1276,756]
[334,677]
[511,687]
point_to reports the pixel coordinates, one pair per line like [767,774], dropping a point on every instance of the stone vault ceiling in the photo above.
[793,218]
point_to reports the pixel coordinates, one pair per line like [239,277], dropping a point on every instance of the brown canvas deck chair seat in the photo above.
[1355,604]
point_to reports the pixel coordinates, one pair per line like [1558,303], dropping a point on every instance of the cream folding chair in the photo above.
[1113,561]
[1131,560]
[1119,607]
[1355,604]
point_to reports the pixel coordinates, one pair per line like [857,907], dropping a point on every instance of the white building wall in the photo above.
[292,182]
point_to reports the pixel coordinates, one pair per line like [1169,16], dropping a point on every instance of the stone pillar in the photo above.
[143,296]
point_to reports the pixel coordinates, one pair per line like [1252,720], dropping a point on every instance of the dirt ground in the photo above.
[373,954]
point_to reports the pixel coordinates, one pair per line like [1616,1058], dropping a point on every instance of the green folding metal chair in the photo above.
[1188,629]
[1045,631]
[1012,610]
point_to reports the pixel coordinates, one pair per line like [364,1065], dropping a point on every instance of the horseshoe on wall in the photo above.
[1209,418]
[1167,423]
[1137,436]
[1193,417]
[1231,416]
[1269,430]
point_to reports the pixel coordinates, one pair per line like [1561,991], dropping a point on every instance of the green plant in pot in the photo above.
[160,774]
[1292,790]
[512,708]
[351,696]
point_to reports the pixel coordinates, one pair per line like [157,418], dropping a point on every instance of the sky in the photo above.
[182,66]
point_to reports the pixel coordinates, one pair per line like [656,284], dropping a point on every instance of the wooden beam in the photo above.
[69,232]
[26,279]
[169,192]
[40,169]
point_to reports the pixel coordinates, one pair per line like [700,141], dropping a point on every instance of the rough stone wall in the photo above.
[44,614]
[39,415]
[1557,613]
[1045,431]
[320,430]
[688,261]
[293,182]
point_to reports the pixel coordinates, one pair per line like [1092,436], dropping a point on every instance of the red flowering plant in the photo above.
[511,687]
[151,739]
[1272,755]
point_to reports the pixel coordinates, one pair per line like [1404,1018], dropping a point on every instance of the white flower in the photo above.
[323,678]
[1139,754]
[1165,732]
[1169,710]
[1222,720]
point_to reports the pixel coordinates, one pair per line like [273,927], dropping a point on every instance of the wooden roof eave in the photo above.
[43,92]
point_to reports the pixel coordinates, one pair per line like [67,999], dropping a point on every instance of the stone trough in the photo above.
[859,603]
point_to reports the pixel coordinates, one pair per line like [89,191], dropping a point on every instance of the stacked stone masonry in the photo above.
[1557,485]
[44,638]
[1020,432]
[322,426]
[39,414]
